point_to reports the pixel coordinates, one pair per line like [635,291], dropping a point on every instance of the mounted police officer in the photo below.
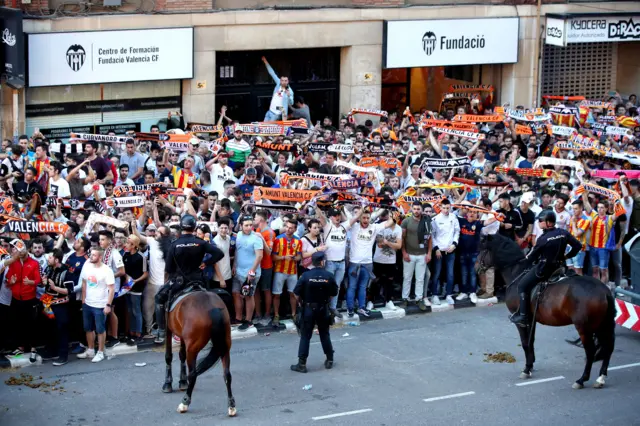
[313,291]
[549,252]
[183,266]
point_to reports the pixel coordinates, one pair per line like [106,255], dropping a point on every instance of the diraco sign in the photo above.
[561,31]
[409,44]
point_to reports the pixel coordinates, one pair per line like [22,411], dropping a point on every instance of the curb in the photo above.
[286,326]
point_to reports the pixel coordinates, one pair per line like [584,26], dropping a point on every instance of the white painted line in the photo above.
[533,382]
[455,395]
[346,413]
[620,367]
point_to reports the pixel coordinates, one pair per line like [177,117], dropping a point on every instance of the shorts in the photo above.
[237,281]
[266,279]
[578,260]
[94,319]
[599,257]
[281,279]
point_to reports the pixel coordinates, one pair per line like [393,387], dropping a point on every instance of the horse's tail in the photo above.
[610,322]
[218,342]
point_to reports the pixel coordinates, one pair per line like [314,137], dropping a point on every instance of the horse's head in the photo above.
[497,251]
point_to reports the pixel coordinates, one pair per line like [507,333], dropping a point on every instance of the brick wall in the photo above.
[186,5]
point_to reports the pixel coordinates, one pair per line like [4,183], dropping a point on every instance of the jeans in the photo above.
[337,269]
[149,303]
[134,307]
[469,277]
[450,260]
[358,284]
[271,116]
[417,263]
[61,312]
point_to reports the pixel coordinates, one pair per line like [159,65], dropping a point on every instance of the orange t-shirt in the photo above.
[285,247]
[269,236]
[600,230]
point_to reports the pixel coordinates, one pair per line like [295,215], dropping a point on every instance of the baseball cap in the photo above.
[528,197]
[152,227]
[251,172]
[334,212]
[224,154]
[194,141]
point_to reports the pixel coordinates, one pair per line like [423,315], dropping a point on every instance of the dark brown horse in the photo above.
[582,301]
[198,318]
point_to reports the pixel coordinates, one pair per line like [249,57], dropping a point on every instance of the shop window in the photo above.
[462,72]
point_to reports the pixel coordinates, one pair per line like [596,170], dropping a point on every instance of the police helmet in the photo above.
[188,223]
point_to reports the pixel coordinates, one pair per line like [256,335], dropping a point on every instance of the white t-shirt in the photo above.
[386,255]
[562,219]
[115,263]
[335,238]
[59,187]
[491,229]
[98,282]
[156,262]
[101,191]
[225,263]
[219,175]
[362,241]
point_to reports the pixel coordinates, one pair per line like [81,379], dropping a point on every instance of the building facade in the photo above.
[337,58]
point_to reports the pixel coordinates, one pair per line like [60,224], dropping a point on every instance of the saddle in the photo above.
[560,274]
[192,287]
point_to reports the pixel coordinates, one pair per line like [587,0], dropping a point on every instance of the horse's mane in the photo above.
[505,251]
[165,244]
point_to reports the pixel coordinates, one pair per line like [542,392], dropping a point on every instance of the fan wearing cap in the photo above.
[528,219]
[220,171]
[250,182]
[237,148]
[183,177]
[192,151]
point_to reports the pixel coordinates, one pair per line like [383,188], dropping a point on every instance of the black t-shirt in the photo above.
[512,217]
[618,225]
[528,218]
[134,266]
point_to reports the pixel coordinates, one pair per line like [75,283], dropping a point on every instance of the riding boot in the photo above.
[521,317]
[162,323]
[301,366]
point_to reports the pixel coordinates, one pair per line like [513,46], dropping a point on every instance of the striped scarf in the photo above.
[543,173]
[612,196]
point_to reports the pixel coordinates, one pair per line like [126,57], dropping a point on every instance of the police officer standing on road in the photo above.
[550,252]
[313,291]
[183,261]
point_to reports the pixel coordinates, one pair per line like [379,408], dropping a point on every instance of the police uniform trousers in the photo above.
[315,314]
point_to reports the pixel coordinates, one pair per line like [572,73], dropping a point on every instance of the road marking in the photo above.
[533,382]
[620,367]
[455,395]
[346,413]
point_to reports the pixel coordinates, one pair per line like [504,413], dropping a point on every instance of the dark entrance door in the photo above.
[245,87]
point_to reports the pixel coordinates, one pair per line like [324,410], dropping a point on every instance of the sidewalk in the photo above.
[286,326]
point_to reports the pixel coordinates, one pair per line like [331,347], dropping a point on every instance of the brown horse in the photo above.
[198,318]
[582,301]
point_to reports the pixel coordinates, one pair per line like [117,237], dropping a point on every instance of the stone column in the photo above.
[198,94]
[360,77]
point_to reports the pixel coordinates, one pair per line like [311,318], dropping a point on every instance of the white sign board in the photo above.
[555,32]
[430,43]
[593,29]
[57,59]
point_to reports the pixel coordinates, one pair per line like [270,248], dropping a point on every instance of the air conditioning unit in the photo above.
[112,2]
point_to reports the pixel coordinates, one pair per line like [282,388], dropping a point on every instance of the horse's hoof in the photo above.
[599,384]
[182,408]
[167,388]
[232,411]
[525,375]
[183,386]
[577,385]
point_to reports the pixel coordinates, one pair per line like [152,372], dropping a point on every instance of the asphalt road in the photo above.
[387,372]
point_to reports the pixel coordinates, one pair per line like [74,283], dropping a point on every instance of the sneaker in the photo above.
[426,301]
[328,364]
[245,325]
[335,313]
[350,313]
[33,357]
[78,349]
[450,300]
[485,296]
[159,338]
[276,321]
[435,300]
[265,321]
[390,305]
[112,342]
[131,341]
[369,306]
[89,353]
[235,321]
[59,362]
[363,312]
[257,320]
[17,352]
[99,357]
[462,296]
[473,298]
